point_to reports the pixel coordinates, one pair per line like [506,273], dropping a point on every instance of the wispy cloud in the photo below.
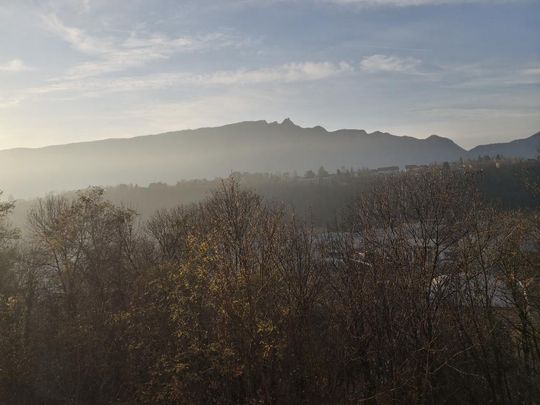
[367,3]
[412,3]
[9,102]
[15,65]
[487,76]
[112,54]
[384,63]
[292,72]
[287,73]
[533,70]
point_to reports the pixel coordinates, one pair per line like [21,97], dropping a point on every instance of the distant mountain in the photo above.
[256,146]
[527,148]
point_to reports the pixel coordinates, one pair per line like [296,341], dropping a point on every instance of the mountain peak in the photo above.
[287,122]
[439,139]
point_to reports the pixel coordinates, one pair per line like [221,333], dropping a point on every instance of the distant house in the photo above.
[410,168]
[387,170]
[333,245]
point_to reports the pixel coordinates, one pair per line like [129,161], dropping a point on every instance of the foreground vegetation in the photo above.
[423,294]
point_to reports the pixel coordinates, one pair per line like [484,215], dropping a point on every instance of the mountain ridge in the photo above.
[264,122]
[248,146]
[518,146]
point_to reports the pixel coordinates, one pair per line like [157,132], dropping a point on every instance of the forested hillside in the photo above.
[319,195]
[421,294]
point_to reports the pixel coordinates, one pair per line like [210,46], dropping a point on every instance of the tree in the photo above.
[12,353]
[87,261]
[322,172]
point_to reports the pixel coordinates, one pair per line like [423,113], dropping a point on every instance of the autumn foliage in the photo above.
[236,300]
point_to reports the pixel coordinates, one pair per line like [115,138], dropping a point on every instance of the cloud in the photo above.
[71,89]
[9,102]
[118,54]
[77,38]
[15,65]
[531,71]
[85,5]
[488,76]
[384,63]
[287,73]
[365,3]
[412,3]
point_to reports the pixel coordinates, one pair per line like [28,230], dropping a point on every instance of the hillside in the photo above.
[524,148]
[256,146]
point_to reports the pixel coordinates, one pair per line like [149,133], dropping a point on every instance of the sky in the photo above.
[79,70]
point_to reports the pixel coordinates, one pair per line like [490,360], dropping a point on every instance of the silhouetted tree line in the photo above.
[504,183]
[421,294]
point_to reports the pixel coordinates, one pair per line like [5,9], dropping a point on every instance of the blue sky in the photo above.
[74,70]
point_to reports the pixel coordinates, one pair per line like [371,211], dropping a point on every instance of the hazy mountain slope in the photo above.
[209,152]
[523,148]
